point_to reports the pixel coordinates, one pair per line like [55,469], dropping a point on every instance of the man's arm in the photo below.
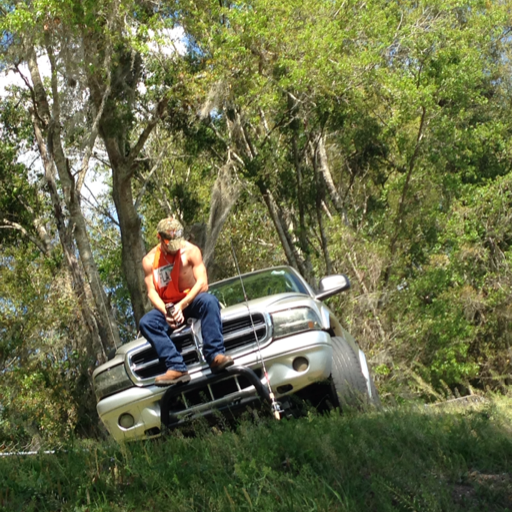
[147,265]
[195,260]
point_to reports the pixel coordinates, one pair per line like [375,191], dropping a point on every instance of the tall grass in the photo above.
[405,459]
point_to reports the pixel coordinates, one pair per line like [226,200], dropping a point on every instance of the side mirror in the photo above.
[331,285]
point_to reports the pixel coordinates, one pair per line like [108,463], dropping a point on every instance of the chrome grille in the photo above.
[237,332]
[210,392]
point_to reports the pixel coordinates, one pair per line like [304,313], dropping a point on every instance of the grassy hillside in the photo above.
[404,459]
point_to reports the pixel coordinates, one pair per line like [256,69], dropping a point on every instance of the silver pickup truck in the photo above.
[283,331]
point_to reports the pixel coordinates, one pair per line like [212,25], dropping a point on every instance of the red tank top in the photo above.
[166,272]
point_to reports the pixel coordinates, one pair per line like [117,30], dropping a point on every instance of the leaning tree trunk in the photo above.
[325,170]
[49,122]
[93,343]
[287,243]
[115,131]
[297,162]
[133,250]
[319,199]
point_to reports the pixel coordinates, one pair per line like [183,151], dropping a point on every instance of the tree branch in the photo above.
[401,207]
[7,224]
[157,115]
[412,161]
[99,208]
[148,177]
[99,114]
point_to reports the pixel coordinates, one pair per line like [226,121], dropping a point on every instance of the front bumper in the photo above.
[144,404]
[174,411]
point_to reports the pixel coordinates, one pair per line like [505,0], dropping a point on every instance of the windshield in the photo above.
[258,284]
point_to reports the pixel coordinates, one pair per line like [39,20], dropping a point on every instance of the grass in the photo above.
[404,459]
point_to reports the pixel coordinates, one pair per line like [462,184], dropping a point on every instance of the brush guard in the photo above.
[232,401]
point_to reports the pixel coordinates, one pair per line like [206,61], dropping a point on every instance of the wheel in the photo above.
[350,387]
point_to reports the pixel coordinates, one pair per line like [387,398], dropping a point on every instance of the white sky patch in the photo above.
[10,77]
[7,80]
[168,41]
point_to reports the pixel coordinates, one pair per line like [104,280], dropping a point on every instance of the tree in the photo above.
[366,117]
[97,93]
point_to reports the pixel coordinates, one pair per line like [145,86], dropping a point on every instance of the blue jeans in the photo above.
[157,331]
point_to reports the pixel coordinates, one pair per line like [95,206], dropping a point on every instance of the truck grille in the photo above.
[234,390]
[238,333]
[229,386]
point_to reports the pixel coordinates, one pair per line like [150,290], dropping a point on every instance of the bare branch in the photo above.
[157,115]
[99,114]
[94,132]
[100,159]
[99,208]
[7,224]
[25,79]
[149,175]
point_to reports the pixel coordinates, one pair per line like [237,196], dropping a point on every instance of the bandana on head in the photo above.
[171,233]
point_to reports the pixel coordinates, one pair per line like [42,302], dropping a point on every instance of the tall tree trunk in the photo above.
[132,245]
[122,160]
[320,193]
[93,344]
[323,164]
[122,164]
[50,123]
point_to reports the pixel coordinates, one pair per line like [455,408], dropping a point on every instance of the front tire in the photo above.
[349,385]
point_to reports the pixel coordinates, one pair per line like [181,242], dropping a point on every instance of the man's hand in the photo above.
[177,318]
[170,320]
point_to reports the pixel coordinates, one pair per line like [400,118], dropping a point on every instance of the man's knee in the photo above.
[144,324]
[147,321]
[208,301]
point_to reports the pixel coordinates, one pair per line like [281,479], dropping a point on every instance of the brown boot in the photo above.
[221,362]
[172,377]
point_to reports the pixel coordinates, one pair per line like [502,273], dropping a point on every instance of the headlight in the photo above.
[111,381]
[293,321]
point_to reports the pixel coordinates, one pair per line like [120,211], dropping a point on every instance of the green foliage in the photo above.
[458,303]
[403,459]
[19,199]
[45,391]
[251,235]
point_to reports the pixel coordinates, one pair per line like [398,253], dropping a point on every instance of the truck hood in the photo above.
[270,304]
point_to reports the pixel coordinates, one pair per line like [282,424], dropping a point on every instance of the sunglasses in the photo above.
[166,239]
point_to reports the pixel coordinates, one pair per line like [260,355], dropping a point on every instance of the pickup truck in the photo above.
[275,327]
